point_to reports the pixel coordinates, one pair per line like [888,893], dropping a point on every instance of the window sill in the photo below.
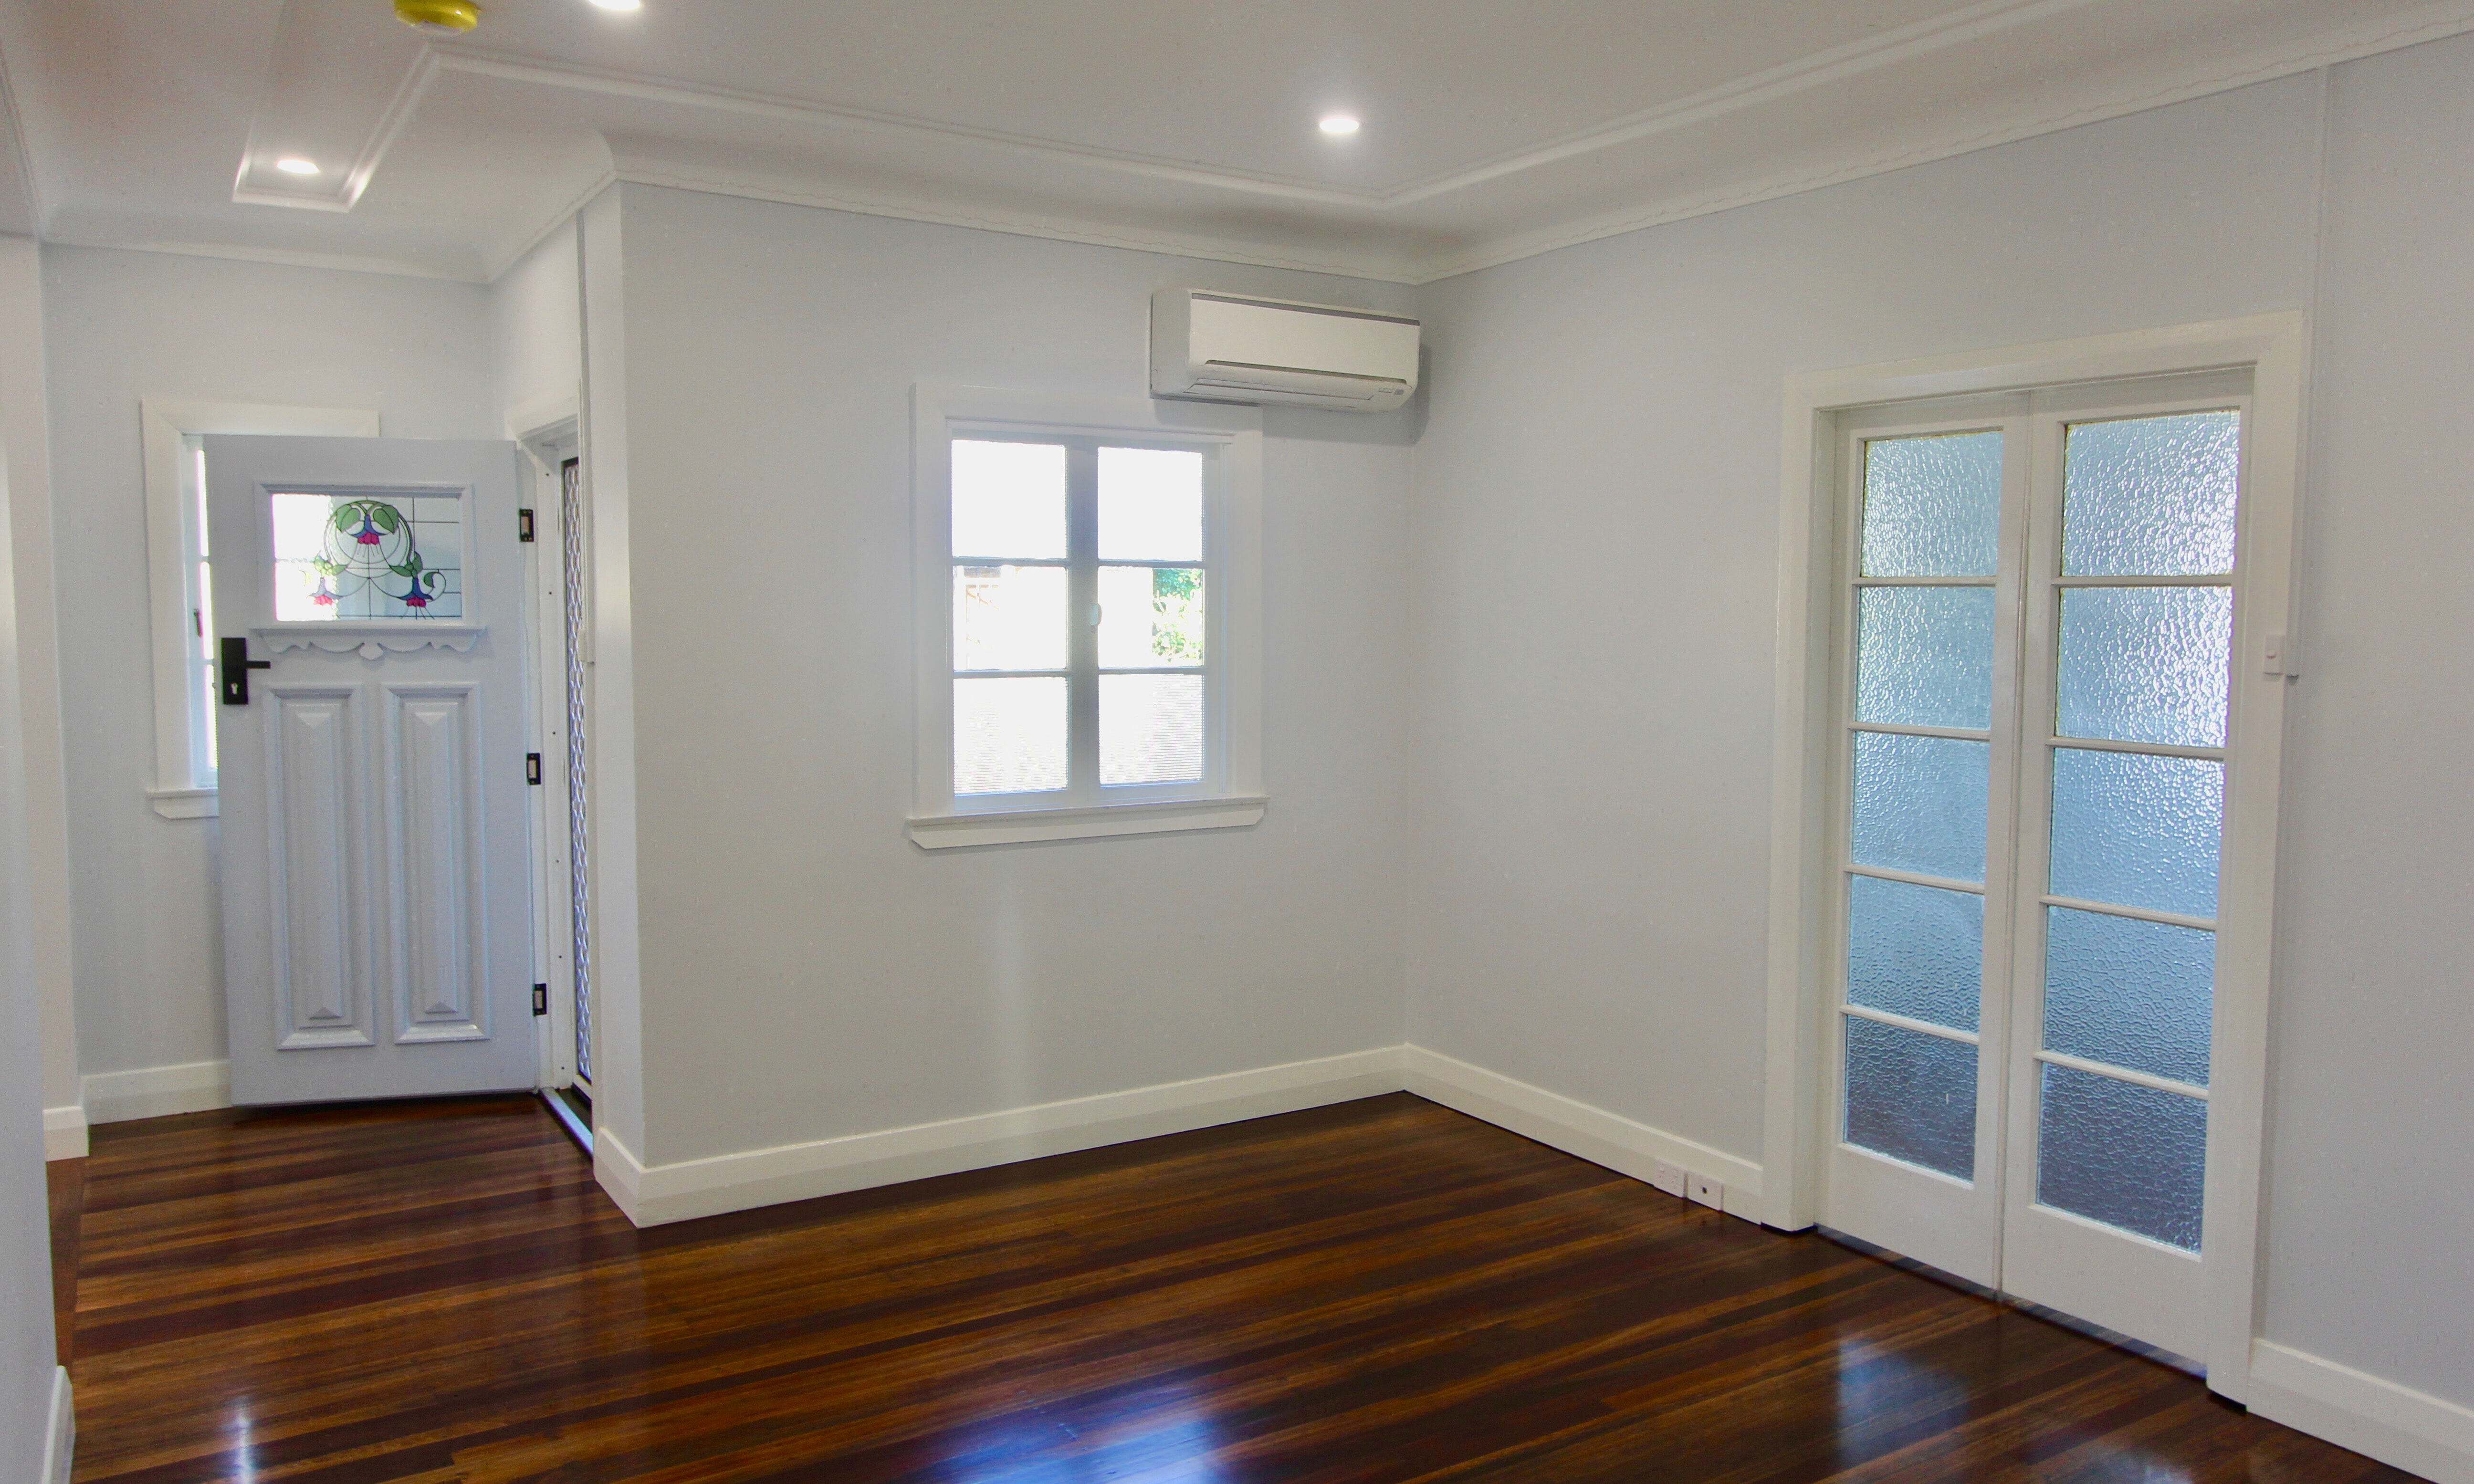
[185,803]
[1016,826]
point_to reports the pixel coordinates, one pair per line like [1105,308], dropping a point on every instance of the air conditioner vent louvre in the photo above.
[1224,348]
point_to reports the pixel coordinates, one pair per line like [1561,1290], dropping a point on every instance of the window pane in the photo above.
[1932,506]
[1010,617]
[342,556]
[1920,804]
[2136,830]
[2127,1155]
[1008,500]
[1915,951]
[1911,1096]
[1009,735]
[1150,616]
[1924,656]
[1151,728]
[1150,505]
[2151,497]
[2146,664]
[2130,993]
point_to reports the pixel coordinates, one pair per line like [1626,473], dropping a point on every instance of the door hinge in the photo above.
[541,999]
[523,526]
[532,767]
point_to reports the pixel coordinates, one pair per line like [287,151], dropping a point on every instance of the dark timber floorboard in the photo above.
[1380,1291]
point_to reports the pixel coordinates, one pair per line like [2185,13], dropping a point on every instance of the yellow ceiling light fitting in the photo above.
[438,17]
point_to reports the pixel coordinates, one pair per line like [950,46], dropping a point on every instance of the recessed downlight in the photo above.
[1339,124]
[294,164]
[617,5]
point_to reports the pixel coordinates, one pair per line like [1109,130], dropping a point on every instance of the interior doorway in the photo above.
[564,916]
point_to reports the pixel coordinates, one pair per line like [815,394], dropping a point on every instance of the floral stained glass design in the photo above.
[354,558]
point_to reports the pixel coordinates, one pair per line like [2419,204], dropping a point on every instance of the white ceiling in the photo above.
[1492,128]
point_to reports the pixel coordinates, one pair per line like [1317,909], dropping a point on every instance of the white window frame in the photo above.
[1229,794]
[1803,872]
[185,786]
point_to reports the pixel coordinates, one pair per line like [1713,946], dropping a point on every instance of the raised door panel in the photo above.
[316,779]
[435,873]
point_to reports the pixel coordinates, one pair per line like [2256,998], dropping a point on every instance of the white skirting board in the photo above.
[59,1439]
[63,1133]
[799,1171]
[155,1091]
[2401,1427]
[1577,1128]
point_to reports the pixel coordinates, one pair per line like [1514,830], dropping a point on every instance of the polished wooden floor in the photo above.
[1380,1291]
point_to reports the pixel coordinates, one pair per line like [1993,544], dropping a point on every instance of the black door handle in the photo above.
[234,669]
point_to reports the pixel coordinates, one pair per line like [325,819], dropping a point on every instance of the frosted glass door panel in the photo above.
[1933,505]
[1924,656]
[2130,993]
[2137,830]
[1920,804]
[1009,735]
[2151,497]
[1911,1096]
[1008,500]
[1915,951]
[2122,1154]
[2147,665]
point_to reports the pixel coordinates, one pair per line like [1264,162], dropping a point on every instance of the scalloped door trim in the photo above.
[373,639]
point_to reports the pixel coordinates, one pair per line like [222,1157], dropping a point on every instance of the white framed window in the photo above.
[179,579]
[1087,624]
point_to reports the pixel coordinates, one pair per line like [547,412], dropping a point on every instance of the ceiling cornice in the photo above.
[2326,49]
[753,186]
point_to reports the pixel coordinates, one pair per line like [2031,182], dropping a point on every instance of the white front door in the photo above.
[369,599]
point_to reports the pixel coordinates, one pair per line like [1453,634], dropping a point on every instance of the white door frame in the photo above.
[2273,347]
[548,431]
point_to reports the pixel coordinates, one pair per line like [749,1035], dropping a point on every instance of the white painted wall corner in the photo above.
[1576,1128]
[2395,1424]
[60,1438]
[63,1133]
[156,1091]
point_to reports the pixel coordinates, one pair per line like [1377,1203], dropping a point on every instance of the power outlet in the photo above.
[1704,1191]
[1665,1177]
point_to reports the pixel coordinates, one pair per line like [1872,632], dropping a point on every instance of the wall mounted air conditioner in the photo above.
[1230,348]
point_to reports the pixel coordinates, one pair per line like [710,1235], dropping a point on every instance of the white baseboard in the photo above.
[798,1171]
[63,1133]
[1576,1128]
[60,1438]
[2399,1426]
[156,1091]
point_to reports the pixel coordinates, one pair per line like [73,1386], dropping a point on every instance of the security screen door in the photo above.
[376,864]
[2034,659]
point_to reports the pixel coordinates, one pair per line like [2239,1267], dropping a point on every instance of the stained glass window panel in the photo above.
[368,556]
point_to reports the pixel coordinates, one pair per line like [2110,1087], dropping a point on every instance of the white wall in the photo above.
[26,1368]
[24,426]
[128,326]
[2371,1183]
[1596,539]
[536,332]
[805,971]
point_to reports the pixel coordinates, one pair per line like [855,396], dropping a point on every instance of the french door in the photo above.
[2035,650]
